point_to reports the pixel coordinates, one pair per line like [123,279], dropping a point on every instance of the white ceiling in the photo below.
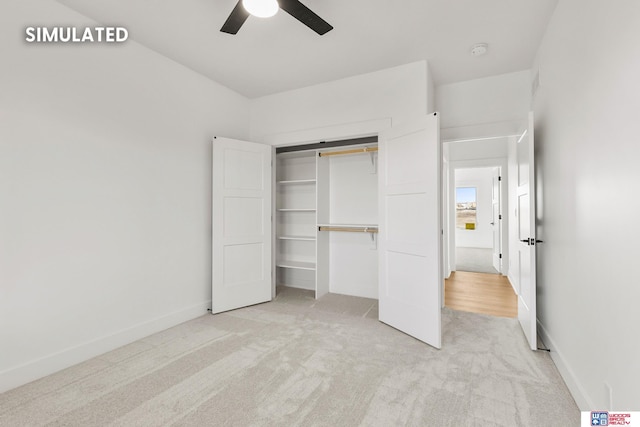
[278,54]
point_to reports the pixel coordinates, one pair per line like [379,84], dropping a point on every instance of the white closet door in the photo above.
[526,210]
[410,272]
[241,212]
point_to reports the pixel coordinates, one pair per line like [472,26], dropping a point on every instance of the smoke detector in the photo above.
[479,49]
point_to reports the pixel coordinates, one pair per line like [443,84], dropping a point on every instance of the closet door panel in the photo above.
[404,214]
[241,224]
[410,274]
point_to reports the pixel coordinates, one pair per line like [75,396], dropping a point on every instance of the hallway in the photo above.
[478,260]
[481,293]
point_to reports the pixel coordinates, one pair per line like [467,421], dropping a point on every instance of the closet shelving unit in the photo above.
[296,217]
[308,226]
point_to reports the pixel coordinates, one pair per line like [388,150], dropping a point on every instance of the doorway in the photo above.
[476,230]
[477,284]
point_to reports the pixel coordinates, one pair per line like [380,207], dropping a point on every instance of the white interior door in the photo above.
[410,237]
[241,215]
[526,211]
[496,220]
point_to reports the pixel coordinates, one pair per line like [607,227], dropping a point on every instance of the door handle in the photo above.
[531,241]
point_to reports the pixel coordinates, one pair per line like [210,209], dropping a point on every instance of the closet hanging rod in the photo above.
[352,151]
[348,229]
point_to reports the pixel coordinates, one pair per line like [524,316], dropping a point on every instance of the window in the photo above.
[466,203]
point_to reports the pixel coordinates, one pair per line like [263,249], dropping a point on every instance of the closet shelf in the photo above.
[296,264]
[296,210]
[297,181]
[304,238]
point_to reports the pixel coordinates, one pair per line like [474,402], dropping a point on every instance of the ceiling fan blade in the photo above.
[235,20]
[305,15]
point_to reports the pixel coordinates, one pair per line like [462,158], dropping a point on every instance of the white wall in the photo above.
[399,93]
[587,131]
[483,107]
[494,148]
[482,180]
[105,189]
[431,91]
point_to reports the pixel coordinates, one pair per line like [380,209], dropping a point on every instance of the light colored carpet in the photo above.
[300,362]
[477,260]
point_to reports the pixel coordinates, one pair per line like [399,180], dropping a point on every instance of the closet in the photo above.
[327,219]
[360,218]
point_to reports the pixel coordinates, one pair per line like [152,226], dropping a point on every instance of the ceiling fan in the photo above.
[302,13]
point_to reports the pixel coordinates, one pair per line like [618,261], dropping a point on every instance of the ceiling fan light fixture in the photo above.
[261,8]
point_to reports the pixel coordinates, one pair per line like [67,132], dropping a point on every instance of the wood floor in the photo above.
[482,293]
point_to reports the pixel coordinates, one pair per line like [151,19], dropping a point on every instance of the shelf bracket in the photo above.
[374,161]
[374,241]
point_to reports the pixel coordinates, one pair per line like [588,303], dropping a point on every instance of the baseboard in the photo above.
[511,282]
[50,364]
[575,388]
